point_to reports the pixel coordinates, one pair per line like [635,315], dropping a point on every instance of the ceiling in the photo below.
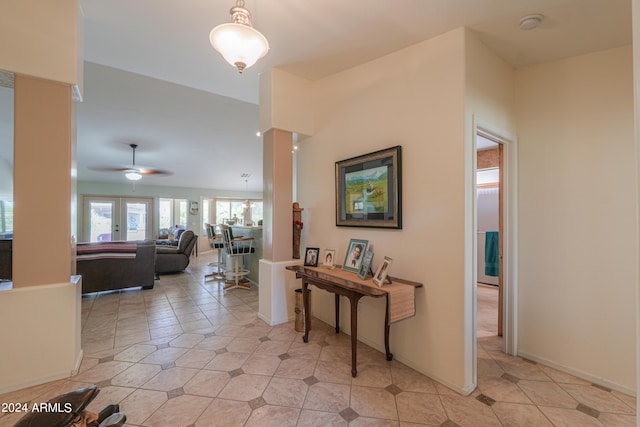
[152,78]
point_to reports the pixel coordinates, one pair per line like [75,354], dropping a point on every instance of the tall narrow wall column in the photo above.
[42,182]
[276,286]
[278,198]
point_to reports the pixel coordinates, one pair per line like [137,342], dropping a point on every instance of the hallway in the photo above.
[187,354]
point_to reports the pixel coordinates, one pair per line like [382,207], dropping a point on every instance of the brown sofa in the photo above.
[116,268]
[173,259]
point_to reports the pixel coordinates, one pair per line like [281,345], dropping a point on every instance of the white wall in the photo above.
[412,98]
[578,259]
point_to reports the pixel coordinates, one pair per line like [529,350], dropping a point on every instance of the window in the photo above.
[238,211]
[229,210]
[256,211]
[172,212]
[6,219]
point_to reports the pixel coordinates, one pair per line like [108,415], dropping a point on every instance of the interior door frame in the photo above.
[508,264]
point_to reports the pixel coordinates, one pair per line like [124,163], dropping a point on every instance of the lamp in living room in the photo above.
[240,44]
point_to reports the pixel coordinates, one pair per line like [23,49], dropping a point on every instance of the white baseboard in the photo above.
[578,373]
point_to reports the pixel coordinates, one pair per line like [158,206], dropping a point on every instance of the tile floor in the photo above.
[187,354]
[487,310]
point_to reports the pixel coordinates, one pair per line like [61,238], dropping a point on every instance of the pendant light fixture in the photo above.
[240,44]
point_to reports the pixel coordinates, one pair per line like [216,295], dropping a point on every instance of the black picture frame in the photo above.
[311,257]
[369,190]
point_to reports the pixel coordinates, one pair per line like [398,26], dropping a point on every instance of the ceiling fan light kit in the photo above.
[133,175]
[240,44]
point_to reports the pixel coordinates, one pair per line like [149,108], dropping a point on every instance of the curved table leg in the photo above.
[354,333]
[307,311]
[337,298]
[387,326]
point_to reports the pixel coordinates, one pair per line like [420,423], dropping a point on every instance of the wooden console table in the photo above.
[349,285]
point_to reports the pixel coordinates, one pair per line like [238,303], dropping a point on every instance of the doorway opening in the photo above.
[488,222]
[507,235]
[107,219]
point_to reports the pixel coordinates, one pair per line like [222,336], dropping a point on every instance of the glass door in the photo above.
[107,219]
[136,213]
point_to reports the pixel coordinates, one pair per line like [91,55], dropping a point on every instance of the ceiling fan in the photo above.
[133,172]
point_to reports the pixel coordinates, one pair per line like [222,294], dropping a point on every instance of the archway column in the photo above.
[276,301]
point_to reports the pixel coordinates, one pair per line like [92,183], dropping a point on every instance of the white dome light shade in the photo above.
[133,175]
[239,44]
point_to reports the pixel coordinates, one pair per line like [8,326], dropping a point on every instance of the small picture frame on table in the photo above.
[328,259]
[355,254]
[311,257]
[366,265]
[383,270]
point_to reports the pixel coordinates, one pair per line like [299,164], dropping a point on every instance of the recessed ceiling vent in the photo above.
[530,22]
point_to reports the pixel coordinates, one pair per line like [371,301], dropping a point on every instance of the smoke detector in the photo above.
[530,22]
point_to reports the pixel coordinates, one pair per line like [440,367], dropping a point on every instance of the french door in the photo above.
[107,219]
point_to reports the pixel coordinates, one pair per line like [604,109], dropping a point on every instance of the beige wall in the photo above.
[42,186]
[578,259]
[636,87]
[39,44]
[42,39]
[489,104]
[412,98]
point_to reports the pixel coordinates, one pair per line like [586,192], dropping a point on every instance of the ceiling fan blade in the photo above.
[107,169]
[144,171]
[132,168]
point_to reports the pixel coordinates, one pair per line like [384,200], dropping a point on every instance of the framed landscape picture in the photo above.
[369,190]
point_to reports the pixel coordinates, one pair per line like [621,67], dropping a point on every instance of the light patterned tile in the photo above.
[227,361]
[597,398]
[502,390]
[328,397]
[420,408]
[563,417]
[245,387]
[102,371]
[285,392]
[467,412]
[275,416]
[169,379]
[186,340]
[164,355]
[181,411]
[207,383]
[373,402]
[547,394]
[135,353]
[319,418]
[519,415]
[225,413]
[136,375]
[195,358]
[261,364]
